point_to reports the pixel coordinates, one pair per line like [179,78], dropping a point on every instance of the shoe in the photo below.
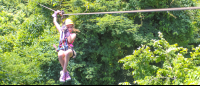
[61,72]
[67,76]
[62,76]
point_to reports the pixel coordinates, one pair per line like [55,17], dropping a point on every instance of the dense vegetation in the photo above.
[105,44]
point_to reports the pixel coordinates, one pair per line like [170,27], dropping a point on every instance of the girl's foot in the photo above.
[67,76]
[62,76]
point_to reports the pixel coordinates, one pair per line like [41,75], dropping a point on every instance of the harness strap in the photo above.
[63,45]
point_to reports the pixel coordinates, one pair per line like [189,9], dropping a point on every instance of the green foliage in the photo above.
[164,64]
[27,34]
[125,83]
[24,50]
[176,26]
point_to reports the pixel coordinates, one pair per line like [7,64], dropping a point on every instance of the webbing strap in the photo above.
[61,35]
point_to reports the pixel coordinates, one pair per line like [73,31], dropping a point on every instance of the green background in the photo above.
[27,35]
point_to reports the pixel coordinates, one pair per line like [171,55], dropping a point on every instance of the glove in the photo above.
[55,13]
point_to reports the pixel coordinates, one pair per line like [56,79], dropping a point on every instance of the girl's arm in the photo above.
[55,21]
[71,38]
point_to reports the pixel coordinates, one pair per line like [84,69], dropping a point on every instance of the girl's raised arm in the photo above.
[55,20]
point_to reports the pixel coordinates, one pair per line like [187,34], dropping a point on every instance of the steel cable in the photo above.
[136,11]
[133,11]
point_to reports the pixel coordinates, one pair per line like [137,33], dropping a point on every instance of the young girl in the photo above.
[65,49]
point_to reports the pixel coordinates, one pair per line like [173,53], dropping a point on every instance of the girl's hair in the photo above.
[74,29]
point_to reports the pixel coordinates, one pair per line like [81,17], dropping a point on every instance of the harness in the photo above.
[63,45]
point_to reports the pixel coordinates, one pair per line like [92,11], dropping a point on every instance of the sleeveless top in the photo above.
[64,35]
[71,44]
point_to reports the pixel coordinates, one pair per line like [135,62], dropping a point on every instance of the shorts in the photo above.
[73,52]
[67,49]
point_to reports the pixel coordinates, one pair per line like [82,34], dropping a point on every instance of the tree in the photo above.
[27,34]
[163,64]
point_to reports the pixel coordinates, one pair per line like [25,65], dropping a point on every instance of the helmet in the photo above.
[68,21]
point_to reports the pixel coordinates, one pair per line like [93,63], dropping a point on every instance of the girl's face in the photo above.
[70,27]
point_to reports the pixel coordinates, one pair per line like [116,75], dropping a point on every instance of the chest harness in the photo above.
[63,44]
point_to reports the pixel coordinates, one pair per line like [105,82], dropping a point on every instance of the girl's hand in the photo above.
[58,11]
[55,13]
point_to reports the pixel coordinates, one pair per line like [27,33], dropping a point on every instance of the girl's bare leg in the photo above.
[68,54]
[61,56]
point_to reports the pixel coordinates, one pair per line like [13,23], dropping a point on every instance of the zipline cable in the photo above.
[62,12]
[133,11]
[46,7]
[136,11]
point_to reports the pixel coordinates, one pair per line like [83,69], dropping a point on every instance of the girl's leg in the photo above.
[61,57]
[68,54]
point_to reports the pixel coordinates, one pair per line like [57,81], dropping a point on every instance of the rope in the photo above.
[136,11]
[46,7]
[133,11]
